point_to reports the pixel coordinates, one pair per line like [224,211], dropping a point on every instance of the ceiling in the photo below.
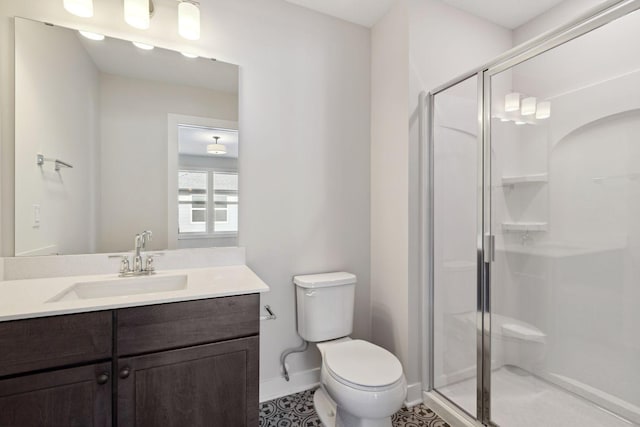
[120,57]
[193,141]
[507,13]
[362,12]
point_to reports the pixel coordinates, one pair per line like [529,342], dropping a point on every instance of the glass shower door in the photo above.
[455,156]
[565,212]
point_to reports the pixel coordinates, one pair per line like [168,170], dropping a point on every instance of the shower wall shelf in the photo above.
[524,226]
[525,179]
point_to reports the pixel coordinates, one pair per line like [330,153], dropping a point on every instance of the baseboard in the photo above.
[273,388]
[414,395]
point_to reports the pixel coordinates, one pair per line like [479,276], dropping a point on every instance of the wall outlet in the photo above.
[36,215]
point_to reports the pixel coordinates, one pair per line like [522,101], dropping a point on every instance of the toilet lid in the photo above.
[362,363]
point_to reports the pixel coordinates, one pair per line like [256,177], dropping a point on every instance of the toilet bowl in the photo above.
[361,384]
[364,384]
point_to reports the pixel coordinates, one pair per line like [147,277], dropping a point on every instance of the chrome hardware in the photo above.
[310,293]
[40,159]
[138,268]
[148,265]
[271,316]
[124,264]
[489,248]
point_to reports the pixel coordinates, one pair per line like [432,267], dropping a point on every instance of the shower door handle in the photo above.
[489,248]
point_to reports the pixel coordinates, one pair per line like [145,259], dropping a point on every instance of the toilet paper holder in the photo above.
[270,316]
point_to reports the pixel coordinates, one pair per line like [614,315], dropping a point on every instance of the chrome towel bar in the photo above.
[40,159]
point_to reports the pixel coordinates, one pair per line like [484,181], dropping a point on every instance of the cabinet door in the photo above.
[208,385]
[66,397]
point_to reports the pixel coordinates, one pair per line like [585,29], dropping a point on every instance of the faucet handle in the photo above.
[124,264]
[149,264]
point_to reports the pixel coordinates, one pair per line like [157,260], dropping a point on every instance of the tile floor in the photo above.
[296,410]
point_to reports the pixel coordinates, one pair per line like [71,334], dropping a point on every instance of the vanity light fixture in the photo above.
[543,110]
[216,148]
[143,46]
[92,36]
[189,55]
[189,19]
[528,106]
[82,8]
[512,102]
[137,13]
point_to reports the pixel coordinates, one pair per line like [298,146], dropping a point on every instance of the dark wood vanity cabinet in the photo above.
[208,385]
[78,396]
[191,363]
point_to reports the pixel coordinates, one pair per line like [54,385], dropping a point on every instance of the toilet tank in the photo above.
[325,305]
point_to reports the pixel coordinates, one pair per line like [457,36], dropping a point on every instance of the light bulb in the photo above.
[143,46]
[512,102]
[189,20]
[544,110]
[528,106]
[92,36]
[136,13]
[216,149]
[82,8]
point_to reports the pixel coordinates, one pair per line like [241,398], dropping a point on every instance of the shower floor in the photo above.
[525,400]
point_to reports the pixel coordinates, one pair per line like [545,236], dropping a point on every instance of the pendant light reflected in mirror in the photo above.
[216,148]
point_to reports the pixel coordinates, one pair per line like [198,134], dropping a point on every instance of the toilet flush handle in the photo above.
[310,293]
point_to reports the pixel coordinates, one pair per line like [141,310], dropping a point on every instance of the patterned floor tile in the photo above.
[296,410]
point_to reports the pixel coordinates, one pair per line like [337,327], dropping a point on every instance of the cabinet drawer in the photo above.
[168,326]
[48,342]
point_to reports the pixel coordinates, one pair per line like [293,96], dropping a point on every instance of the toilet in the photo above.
[361,384]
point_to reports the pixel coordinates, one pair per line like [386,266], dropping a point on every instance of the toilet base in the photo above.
[332,416]
[325,408]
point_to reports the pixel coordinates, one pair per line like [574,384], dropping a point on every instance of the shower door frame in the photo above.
[593,19]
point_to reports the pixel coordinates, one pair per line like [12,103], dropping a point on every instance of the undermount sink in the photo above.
[121,287]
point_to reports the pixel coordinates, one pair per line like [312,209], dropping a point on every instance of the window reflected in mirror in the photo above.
[207,186]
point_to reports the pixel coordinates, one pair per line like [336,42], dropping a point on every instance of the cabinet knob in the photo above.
[124,372]
[103,378]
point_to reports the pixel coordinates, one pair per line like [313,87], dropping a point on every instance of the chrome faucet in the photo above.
[140,243]
[526,238]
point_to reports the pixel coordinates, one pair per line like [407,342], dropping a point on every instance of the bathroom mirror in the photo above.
[114,137]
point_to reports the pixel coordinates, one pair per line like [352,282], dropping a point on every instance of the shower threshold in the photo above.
[520,400]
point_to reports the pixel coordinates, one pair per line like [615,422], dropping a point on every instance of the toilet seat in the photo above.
[361,365]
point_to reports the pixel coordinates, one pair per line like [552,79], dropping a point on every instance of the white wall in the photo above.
[304,128]
[415,47]
[389,182]
[45,54]
[133,153]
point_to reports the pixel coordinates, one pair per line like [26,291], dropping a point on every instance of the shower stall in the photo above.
[532,228]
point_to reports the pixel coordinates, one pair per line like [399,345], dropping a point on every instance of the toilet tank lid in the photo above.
[325,280]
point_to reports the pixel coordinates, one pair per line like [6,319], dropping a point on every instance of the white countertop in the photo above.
[27,298]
